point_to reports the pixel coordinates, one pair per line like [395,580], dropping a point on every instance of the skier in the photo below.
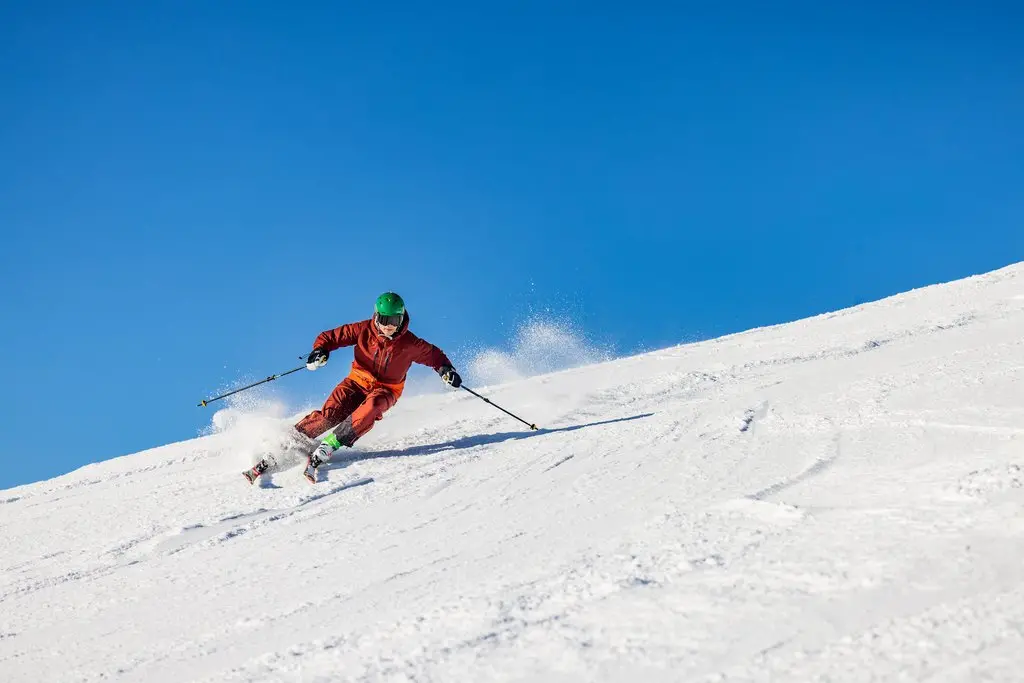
[384,351]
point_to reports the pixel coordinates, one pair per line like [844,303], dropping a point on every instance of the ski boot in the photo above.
[259,468]
[321,455]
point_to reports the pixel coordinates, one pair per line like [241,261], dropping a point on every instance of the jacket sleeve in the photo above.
[346,335]
[429,355]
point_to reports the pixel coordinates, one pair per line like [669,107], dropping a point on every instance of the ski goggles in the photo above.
[385,320]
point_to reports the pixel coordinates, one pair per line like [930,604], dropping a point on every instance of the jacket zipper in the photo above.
[379,368]
[378,371]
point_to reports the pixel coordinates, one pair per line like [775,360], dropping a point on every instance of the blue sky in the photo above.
[191,191]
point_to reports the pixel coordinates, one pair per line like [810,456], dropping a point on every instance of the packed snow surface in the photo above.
[838,498]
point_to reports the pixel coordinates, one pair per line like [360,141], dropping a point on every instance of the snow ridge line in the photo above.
[820,464]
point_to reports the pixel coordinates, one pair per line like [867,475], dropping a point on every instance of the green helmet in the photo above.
[389,304]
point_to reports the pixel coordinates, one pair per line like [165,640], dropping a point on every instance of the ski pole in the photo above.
[487,400]
[203,404]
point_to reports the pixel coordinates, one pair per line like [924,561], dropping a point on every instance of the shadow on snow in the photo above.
[468,442]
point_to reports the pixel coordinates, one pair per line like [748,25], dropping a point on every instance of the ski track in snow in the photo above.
[835,499]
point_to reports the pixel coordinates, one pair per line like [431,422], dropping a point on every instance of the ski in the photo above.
[310,472]
[257,470]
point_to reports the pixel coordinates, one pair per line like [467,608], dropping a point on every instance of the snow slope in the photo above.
[836,499]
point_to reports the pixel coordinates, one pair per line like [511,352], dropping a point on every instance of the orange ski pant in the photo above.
[350,411]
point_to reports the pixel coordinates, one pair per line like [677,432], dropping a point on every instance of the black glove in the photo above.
[317,359]
[449,376]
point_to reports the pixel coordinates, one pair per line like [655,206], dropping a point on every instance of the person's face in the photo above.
[389,329]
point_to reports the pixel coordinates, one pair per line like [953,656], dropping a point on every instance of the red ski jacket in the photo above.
[379,360]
